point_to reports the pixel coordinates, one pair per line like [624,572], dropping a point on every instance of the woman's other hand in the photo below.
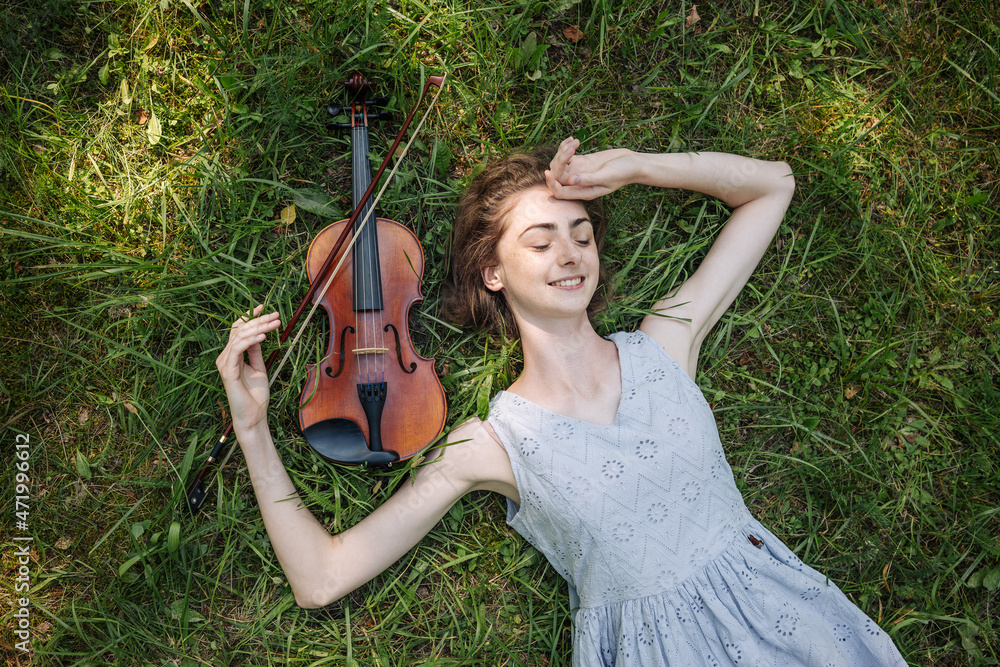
[246,383]
[572,176]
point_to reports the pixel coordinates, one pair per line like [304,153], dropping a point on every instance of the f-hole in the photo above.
[340,368]
[399,350]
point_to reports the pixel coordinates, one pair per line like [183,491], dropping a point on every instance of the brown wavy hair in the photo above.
[480,223]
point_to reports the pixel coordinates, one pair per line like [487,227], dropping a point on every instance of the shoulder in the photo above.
[473,453]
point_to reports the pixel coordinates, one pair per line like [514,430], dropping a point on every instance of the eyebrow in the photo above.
[550,226]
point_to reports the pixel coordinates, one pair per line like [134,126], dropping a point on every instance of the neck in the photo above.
[565,359]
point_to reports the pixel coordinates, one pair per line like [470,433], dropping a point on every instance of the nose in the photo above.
[569,252]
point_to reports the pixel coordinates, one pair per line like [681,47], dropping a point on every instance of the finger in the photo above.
[249,315]
[585,180]
[245,341]
[241,339]
[555,187]
[563,155]
[256,356]
[585,193]
[242,324]
[257,328]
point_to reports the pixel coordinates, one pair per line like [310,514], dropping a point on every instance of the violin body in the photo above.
[372,399]
[331,416]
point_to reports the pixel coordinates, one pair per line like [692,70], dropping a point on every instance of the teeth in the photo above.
[568,283]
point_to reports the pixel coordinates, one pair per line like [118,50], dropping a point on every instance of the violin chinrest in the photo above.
[342,441]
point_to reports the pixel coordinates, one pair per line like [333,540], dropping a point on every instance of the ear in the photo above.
[491,278]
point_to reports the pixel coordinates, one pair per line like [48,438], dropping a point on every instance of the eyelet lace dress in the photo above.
[643,519]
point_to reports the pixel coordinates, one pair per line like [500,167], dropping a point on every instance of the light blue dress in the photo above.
[665,565]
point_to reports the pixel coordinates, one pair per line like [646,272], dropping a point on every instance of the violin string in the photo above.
[329,281]
[366,258]
[358,316]
[379,357]
[363,250]
[369,266]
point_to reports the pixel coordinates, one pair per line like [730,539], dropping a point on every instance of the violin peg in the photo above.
[335,110]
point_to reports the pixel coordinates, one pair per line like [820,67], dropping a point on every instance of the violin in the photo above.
[406,400]
[372,399]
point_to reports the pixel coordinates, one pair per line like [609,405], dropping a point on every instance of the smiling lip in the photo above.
[568,282]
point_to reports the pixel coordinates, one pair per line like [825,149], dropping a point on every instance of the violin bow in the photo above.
[198,490]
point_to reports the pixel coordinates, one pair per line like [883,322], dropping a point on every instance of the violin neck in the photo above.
[367,273]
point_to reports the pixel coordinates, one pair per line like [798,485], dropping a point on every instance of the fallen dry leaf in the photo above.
[287,215]
[83,416]
[64,543]
[573,33]
[141,116]
[851,392]
[693,16]
[131,408]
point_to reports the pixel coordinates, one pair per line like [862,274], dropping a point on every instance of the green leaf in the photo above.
[227,82]
[991,580]
[188,457]
[943,381]
[124,567]
[483,397]
[102,73]
[977,199]
[179,607]
[456,511]
[173,537]
[810,423]
[318,202]
[126,96]
[527,49]
[82,465]
[153,129]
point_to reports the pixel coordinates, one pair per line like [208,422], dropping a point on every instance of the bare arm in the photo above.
[758,192]
[320,567]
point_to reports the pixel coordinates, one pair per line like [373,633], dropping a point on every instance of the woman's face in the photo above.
[547,259]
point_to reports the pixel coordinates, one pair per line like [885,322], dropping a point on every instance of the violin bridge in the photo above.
[370,350]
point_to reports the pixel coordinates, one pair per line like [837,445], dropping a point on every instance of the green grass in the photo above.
[854,379]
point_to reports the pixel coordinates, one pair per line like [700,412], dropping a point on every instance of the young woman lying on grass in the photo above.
[605,448]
